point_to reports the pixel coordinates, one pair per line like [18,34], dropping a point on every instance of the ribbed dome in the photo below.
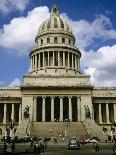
[54,23]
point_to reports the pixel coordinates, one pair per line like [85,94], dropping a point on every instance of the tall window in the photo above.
[69,41]
[55,40]
[41,41]
[48,40]
[63,40]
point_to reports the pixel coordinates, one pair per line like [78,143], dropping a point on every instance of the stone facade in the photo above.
[55,90]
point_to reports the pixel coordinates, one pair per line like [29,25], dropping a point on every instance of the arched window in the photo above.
[55,40]
[48,40]
[41,41]
[0,131]
[69,41]
[63,40]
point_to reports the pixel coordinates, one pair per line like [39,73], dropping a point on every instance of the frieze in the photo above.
[104,94]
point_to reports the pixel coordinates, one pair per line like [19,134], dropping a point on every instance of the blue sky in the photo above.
[93,23]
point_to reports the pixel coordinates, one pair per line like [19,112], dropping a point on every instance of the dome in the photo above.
[55,52]
[54,23]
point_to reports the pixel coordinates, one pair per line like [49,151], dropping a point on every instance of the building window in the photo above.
[63,40]
[41,41]
[48,40]
[0,131]
[55,40]
[105,129]
[69,41]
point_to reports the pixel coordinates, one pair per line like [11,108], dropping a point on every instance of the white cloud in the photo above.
[87,32]
[7,6]
[15,82]
[19,36]
[20,33]
[101,65]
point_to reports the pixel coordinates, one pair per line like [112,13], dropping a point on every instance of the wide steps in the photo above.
[58,129]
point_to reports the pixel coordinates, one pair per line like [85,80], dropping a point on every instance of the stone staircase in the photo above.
[58,130]
[94,130]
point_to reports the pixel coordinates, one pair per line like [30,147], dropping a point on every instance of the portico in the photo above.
[56,108]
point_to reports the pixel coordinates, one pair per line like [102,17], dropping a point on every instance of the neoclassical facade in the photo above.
[55,90]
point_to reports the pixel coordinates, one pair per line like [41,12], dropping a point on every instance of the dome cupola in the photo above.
[55,53]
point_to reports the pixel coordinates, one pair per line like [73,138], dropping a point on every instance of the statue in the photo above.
[26,112]
[87,112]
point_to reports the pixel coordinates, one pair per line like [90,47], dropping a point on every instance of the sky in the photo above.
[93,23]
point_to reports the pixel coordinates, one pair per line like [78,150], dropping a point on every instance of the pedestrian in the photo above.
[9,146]
[96,147]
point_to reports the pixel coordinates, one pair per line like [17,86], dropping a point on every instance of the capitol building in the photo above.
[56,93]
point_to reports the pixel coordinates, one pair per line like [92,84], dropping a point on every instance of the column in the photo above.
[107,113]
[39,61]
[61,109]
[32,62]
[12,114]
[78,64]
[35,109]
[52,109]
[63,58]
[43,60]
[72,61]
[5,109]
[58,58]
[75,62]
[35,62]
[31,65]
[48,58]
[20,113]
[68,61]
[78,108]
[70,109]
[53,59]
[100,114]
[43,110]
[114,106]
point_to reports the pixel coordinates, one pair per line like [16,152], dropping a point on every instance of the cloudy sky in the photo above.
[93,23]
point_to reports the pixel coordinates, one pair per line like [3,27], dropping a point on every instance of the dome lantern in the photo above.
[55,10]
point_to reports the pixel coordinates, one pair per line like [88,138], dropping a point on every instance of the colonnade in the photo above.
[55,58]
[105,112]
[5,113]
[71,111]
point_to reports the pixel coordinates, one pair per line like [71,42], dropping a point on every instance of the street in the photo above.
[105,149]
[61,149]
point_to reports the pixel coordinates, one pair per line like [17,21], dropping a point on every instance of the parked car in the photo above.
[73,143]
[92,141]
[84,141]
